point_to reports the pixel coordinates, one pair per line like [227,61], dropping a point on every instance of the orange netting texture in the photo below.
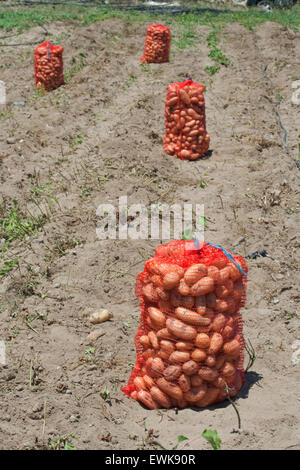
[48,66]
[157,44]
[185,135]
[189,344]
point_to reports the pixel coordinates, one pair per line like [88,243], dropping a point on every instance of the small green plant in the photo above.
[62,443]
[75,141]
[212,69]
[215,52]
[180,439]
[43,189]
[90,354]
[85,192]
[217,56]
[105,394]
[16,226]
[8,266]
[129,82]
[213,438]
[39,93]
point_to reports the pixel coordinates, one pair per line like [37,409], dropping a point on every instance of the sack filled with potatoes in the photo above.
[185,136]
[189,343]
[157,44]
[48,66]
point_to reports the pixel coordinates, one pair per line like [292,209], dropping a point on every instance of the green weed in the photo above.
[213,438]
[25,18]
[61,443]
[16,225]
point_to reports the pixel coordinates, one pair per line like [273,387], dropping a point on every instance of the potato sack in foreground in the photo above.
[189,344]
[185,135]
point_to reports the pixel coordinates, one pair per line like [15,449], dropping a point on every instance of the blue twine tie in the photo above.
[226,253]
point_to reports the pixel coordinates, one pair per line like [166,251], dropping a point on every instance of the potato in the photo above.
[220,361]
[195,394]
[232,348]
[198,355]
[144,341]
[184,97]
[153,339]
[156,367]
[194,273]
[148,353]
[160,397]
[167,346]
[139,383]
[190,367]
[202,341]
[157,317]
[170,388]
[147,400]
[224,274]
[214,273]
[216,343]
[133,395]
[171,280]
[164,333]
[179,357]
[149,382]
[196,380]
[210,360]
[200,304]
[172,373]
[149,291]
[183,288]
[184,346]
[180,330]
[100,316]
[208,373]
[191,317]
[235,273]
[209,398]
[184,383]
[218,322]
[202,287]
[227,369]
[227,333]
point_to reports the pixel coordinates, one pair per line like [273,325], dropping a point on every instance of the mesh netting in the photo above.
[185,135]
[157,44]
[189,344]
[48,65]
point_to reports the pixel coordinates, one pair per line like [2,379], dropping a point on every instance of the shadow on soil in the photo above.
[251,378]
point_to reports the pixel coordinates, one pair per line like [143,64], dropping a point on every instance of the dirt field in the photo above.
[100,137]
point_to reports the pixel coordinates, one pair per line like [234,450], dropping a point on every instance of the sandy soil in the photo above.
[51,388]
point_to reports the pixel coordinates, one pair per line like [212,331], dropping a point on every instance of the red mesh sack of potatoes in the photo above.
[157,44]
[185,135]
[189,344]
[48,66]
